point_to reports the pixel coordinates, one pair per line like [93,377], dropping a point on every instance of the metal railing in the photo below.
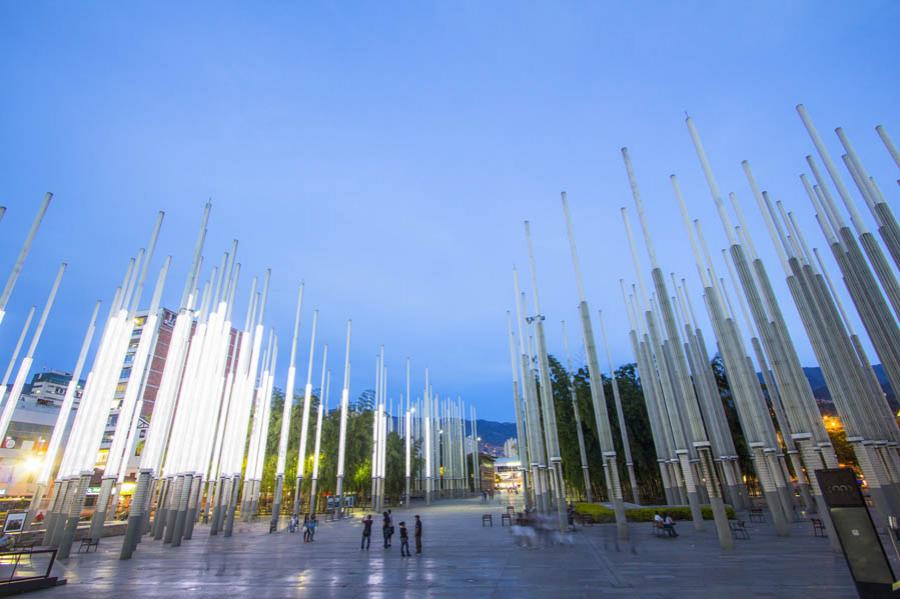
[26,564]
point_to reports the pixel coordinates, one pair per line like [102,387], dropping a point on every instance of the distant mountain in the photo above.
[496,433]
[820,388]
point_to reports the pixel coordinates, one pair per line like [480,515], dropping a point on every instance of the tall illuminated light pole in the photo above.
[342,438]
[286,416]
[582,453]
[15,393]
[620,413]
[323,410]
[547,403]
[522,444]
[267,388]
[598,398]
[304,423]
[536,447]
[376,428]
[407,429]
[23,254]
[429,454]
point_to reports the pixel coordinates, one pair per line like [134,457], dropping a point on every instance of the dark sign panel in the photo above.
[854,527]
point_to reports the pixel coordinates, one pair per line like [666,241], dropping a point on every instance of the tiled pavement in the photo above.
[462,559]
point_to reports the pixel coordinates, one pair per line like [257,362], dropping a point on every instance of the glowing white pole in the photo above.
[18,384]
[23,254]
[304,426]
[428,451]
[342,438]
[547,402]
[15,354]
[585,469]
[286,415]
[376,428]
[407,430]
[264,429]
[323,408]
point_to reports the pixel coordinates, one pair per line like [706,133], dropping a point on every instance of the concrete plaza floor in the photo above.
[462,558]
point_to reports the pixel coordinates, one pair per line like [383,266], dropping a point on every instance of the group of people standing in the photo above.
[387,531]
[310,524]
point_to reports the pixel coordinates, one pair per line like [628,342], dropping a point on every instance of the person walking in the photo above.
[367,533]
[390,527]
[404,540]
[386,529]
[305,528]
[311,528]
[418,534]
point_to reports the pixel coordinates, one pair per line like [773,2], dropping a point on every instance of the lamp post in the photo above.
[287,409]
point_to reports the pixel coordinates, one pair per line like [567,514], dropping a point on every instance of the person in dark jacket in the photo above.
[418,534]
[367,533]
[311,528]
[404,541]
[386,529]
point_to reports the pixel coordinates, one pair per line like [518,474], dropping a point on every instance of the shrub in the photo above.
[601,513]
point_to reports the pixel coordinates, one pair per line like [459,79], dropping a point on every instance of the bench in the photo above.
[658,530]
[87,543]
[738,529]
[757,515]
[583,519]
[487,519]
[818,527]
[505,518]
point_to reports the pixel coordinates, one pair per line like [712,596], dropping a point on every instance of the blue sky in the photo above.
[387,154]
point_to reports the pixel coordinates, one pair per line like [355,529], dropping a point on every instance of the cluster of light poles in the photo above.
[437,429]
[781,423]
[205,448]
[215,391]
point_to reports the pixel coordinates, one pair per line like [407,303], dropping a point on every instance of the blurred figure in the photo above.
[367,533]
[418,534]
[404,540]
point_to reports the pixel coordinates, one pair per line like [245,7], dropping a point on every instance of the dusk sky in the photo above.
[387,154]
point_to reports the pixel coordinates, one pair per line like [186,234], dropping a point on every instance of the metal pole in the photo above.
[342,438]
[287,410]
[23,254]
[547,400]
